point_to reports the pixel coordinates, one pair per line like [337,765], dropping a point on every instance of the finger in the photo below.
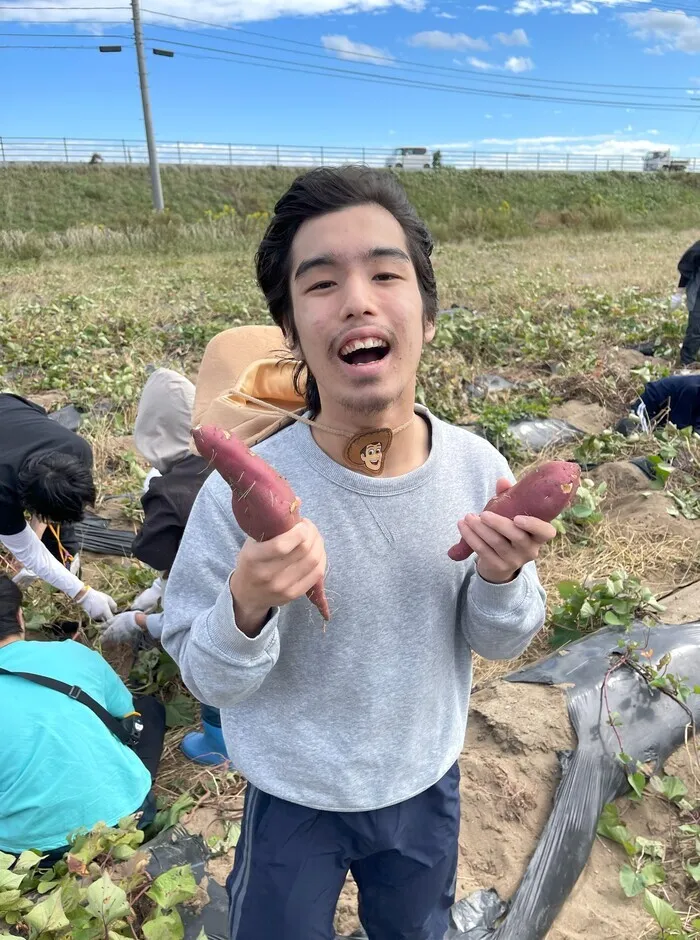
[483,549]
[488,535]
[283,544]
[507,528]
[502,484]
[538,529]
[297,579]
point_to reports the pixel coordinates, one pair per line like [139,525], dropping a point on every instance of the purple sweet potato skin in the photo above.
[263,503]
[543,492]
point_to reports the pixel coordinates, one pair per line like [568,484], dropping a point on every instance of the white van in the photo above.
[410,158]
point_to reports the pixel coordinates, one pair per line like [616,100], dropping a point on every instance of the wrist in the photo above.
[250,617]
[501,578]
[81,594]
[140,620]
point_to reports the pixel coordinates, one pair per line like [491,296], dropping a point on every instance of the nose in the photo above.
[357,297]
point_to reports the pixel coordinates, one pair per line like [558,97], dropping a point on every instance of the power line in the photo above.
[49,47]
[13,7]
[481,77]
[519,82]
[372,57]
[429,86]
[395,81]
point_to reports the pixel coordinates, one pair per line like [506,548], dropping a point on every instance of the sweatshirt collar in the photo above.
[358,482]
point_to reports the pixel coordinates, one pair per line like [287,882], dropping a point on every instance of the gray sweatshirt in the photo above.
[374,710]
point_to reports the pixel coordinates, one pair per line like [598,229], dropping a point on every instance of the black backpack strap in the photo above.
[77,694]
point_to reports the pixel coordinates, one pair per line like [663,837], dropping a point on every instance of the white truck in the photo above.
[656,160]
[410,158]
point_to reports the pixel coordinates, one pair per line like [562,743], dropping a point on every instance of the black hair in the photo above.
[317,193]
[56,487]
[10,604]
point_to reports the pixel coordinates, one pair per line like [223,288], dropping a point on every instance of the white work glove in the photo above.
[98,606]
[122,629]
[676,300]
[148,600]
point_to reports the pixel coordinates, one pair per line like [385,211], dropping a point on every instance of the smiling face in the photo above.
[358,310]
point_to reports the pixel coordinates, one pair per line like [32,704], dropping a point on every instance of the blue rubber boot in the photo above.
[205,747]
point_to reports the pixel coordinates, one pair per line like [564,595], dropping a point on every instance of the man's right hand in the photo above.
[273,573]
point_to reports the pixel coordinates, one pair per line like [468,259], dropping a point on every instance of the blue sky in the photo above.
[492,45]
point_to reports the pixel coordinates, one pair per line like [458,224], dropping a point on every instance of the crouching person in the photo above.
[63,766]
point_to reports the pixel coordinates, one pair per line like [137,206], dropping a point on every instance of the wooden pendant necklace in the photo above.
[365,450]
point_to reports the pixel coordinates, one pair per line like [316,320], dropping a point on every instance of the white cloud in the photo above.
[488,117]
[652,131]
[674,29]
[487,8]
[519,64]
[589,144]
[436,39]
[574,7]
[223,12]
[513,64]
[346,48]
[446,16]
[517,38]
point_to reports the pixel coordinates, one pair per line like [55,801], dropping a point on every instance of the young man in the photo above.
[349,738]
[45,470]
[62,768]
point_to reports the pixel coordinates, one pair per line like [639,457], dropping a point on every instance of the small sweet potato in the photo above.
[543,492]
[263,503]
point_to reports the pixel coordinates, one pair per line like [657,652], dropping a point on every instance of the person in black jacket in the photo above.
[675,398]
[46,474]
[689,269]
[162,435]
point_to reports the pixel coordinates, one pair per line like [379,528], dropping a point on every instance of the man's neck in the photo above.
[10,639]
[409,448]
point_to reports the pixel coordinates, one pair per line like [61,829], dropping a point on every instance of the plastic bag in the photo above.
[538,434]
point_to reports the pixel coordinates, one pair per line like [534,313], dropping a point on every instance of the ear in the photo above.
[429,331]
[20,619]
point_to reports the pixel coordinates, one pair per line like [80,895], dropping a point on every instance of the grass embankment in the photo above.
[45,199]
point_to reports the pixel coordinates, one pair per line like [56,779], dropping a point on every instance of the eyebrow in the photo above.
[328,260]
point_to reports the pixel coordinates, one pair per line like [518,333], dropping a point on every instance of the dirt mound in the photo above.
[630,500]
[683,606]
[588,416]
[510,772]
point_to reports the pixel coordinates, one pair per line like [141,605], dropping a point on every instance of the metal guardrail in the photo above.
[124,152]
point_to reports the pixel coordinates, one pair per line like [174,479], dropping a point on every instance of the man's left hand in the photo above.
[503,545]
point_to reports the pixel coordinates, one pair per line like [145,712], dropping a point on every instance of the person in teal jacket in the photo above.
[62,769]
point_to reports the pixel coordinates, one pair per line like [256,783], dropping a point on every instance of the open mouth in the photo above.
[361,352]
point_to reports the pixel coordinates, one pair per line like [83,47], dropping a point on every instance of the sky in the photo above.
[361,73]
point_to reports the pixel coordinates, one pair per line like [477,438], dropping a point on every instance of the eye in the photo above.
[321,285]
[386,276]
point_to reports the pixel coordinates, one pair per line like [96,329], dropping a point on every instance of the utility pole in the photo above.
[147,119]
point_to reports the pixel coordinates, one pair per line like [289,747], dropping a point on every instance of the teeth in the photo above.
[370,343]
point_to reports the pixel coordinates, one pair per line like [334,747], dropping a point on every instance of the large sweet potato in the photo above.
[543,492]
[263,503]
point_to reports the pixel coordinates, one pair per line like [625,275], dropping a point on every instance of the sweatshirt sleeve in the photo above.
[219,664]
[500,620]
[31,552]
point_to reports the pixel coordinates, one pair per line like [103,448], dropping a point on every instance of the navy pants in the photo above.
[291,863]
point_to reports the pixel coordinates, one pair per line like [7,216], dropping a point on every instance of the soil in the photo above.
[630,500]
[510,772]
[683,606]
[588,416]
